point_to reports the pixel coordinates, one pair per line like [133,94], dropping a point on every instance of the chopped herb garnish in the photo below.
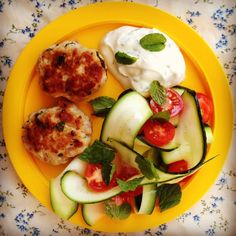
[100,153]
[158,92]
[146,167]
[117,212]
[153,42]
[169,195]
[130,185]
[102,105]
[162,115]
[125,59]
[60,126]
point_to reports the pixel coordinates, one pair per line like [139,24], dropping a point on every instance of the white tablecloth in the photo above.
[22,214]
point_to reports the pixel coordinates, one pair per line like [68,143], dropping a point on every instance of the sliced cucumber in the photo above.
[92,212]
[62,205]
[168,147]
[126,118]
[180,90]
[190,134]
[145,202]
[209,134]
[75,188]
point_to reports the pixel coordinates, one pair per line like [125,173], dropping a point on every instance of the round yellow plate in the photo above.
[88,25]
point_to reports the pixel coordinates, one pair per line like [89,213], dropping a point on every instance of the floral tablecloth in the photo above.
[22,214]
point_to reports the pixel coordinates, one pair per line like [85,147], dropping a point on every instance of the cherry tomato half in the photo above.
[178,167]
[174,103]
[93,174]
[206,107]
[158,132]
[127,196]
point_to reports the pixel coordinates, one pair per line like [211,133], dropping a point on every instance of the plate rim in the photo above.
[86,13]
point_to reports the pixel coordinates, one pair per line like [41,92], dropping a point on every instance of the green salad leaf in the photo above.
[158,92]
[102,105]
[117,212]
[130,185]
[153,42]
[169,195]
[98,152]
[146,167]
[125,59]
[161,115]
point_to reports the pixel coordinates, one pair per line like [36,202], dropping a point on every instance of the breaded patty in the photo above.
[70,70]
[56,134]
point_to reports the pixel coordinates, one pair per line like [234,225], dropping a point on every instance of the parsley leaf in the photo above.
[118,212]
[168,195]
[98,152]
[102,105]
[130,185]
[153,42]
[125,59]
[146,167]
[158,92]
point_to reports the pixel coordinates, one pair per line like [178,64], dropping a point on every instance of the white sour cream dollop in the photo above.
[166,66]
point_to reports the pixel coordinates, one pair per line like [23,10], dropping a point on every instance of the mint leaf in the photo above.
[118,212]
[108,170]
[146,167]
[153,42]
[102,105]
[162,115]
[158,92]
[98,152]
[169,195]
[130,185]
[124,58]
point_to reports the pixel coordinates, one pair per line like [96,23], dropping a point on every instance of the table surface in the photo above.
[22,214]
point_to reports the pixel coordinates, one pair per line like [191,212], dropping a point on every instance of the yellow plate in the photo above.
[88,25]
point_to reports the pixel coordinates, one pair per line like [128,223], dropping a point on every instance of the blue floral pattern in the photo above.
[21,214]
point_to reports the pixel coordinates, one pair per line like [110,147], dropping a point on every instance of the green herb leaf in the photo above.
[153,42]
[158,92]
[162,115]
[118,212]
[130,185]
[108,170]
[169,195]
[102,105]
[60,126]
[125,59]
[98,152]
[146,167]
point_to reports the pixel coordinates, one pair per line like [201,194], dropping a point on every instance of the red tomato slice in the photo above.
[178,167]
[174,103]
[128,196]
[93,175]
[206,107]
[158,133]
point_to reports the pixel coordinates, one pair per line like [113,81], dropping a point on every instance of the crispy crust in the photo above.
[70,70]
[56,134]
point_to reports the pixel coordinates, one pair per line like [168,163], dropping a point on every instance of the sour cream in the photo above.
[166,66]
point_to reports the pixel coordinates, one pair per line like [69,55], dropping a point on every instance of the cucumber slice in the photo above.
[145,202]
[209,134]
[126,118]
[190,134]
[62,205]
[92,212]
[75,188]
[142,142]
